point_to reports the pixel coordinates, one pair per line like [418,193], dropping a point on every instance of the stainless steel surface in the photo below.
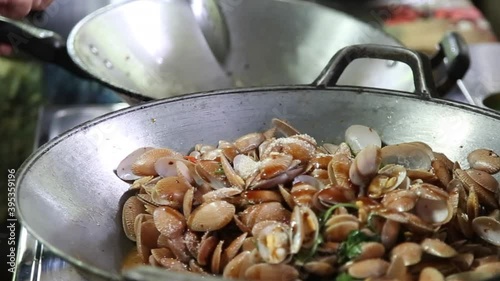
[34,263]
[482,81]
[83,195]
[139,46]
[211,21]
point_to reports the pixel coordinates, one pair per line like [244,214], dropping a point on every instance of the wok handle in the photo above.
[453,53]
[419,63]
[42,44]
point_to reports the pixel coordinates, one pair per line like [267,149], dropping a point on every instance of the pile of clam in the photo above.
[277,205]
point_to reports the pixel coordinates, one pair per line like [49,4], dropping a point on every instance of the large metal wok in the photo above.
[69,198]
[151,49]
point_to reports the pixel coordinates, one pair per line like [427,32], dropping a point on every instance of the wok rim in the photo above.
[24,169]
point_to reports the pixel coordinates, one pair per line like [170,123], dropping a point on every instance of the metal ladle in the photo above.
[50,47]
[209,17]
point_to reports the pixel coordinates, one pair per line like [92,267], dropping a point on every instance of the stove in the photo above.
[34,263]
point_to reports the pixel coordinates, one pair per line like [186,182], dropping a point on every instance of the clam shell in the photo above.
[358,137]
[438,248]
[484,160]
[211,216]
[169,222]
[131,209]
[124,169]
[144,165]
[409,252]
[369,268]
[488,229]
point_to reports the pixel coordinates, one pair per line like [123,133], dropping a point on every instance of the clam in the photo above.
[319,268]
[187,202]
[476,180]
[438,248]
[221,194]
[131,209]
[298,148]
[212,173]
[302,193]
[245,166]
[389,233]
[124,169]
[273,243]
[263,272]
[216,258]
[169,222]
[160,253]
[488,228]
[370,250]
[233,267]
[203,218]
[485,160]
[332,195]
[174,265]
[206,248]
[338,170]
[165,166]
[358,137]
[305,228]
[274,164]
[144,165]
[196,268]
[397,270]
[285,128]
[261,196]
[228,150]
[233,178]
[430,274]
[401,200]
[319,161]
[330,148]
[369,268]
[409,252]
[484,180]
[147,237]
[387,179]
[365,165]
[169,192]
[443,174]
[287,176]
[266,211]
[232,250]
[338,227]
[249,142]
[408,155]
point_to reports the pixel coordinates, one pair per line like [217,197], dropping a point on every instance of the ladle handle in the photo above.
[42,44]
[418,62]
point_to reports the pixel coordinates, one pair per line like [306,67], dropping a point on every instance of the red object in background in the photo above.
[402,14]
[458,14]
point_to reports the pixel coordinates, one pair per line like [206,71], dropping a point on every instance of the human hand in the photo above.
[17,9]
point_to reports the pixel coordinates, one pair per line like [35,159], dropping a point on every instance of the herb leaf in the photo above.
[219,171]
[351,248]
[329,212]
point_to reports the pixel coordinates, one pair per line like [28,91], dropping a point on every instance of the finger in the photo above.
[41,4]
[15,9]
[5,50]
